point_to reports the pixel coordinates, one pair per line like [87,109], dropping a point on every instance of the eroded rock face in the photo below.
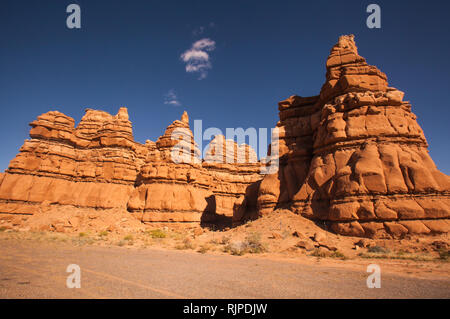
[99,165]
[295,147]
[172,184]
[175,185]
[94,165]
[355,157]
[234,170]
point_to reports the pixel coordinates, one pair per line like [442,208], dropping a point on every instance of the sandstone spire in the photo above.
[122,114]
[185,118]
[355,157]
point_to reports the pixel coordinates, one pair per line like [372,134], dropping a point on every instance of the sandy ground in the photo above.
[37,269]
[280,232]
[279,256]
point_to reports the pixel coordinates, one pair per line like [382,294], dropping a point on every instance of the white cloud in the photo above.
[171,98]
[194,54]
[206,44]
[197,59]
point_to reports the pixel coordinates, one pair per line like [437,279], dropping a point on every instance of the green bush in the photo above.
[103,233]
[157,233]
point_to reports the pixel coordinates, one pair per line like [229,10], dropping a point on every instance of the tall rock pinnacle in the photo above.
[355,157]
[185,118]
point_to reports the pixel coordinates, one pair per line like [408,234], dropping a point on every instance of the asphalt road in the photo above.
[33,270]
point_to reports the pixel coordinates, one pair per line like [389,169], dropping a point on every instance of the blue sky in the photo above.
[128,53]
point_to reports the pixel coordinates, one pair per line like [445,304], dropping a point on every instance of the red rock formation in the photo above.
[234,168]
[355,157]
[99,165]
[94,165]
[295,147]
[172,185]
[352,157]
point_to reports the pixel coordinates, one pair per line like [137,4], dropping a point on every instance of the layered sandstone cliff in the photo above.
[355,157]
[93,165]
[98,165]
[235,171]
[172,185]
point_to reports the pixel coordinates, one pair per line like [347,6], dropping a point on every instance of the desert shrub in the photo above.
[82,240]
[82,234]
[214,241]
[225,240]
[122,243]
[186,244]
[253,243]
[204,248]
[157,233]
[128,237]
[338,254]
[236,248]
[319,253]
[103,233]
[378,249]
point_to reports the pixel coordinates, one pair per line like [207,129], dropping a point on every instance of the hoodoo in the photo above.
[353,158]
[98,165]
